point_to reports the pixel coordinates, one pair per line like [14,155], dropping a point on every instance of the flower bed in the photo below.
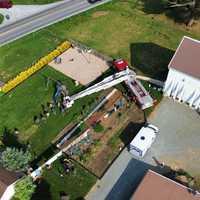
[34,68]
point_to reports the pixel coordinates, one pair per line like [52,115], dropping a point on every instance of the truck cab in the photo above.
[6,4]
[136,89]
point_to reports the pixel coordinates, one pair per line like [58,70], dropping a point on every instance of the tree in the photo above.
[24,189]
[14,159]
[185,10]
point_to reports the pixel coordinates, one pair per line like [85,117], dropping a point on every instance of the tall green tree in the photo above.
[24,189]
[14,159]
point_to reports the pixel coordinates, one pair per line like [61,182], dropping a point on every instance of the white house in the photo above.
[7,180]
[183,80]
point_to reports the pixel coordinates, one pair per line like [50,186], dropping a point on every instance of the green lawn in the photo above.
[19,107]
[76,184]
[33,1]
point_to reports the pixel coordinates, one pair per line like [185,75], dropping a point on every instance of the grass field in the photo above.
[33,1]
[76,184]
[19,107]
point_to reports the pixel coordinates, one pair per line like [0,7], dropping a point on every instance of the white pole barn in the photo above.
[183,80]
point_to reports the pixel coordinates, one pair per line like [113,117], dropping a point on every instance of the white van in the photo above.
[143,140]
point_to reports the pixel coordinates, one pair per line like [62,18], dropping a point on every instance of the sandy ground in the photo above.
[81,66]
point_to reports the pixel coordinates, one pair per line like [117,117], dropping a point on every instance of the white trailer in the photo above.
[143,140]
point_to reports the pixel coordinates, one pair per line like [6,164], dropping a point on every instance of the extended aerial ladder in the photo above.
[126,75]
[103,85]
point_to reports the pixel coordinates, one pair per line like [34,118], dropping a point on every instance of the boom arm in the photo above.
[104,84]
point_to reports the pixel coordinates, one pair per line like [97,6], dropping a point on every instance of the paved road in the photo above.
[47,17]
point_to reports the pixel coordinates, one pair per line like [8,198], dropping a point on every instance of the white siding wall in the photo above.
[183,88]
[8,193]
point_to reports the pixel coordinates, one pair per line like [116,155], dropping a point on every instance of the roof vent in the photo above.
[142,138]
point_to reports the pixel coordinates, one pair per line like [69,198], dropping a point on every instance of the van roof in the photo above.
[143,139]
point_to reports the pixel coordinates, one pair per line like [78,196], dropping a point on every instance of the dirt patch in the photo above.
[100,14]
[195,28]
[81,65]
[116,136]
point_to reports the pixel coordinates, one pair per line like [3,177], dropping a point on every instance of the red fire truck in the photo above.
[6,4]
[139,93]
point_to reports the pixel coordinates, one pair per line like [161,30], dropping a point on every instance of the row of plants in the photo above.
[34,68]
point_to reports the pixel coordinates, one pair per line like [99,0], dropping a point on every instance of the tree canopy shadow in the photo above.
[181,14]
[153,6]
[42,191]
[151,59]
[10,139]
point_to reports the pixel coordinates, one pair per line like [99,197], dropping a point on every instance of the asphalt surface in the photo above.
[35,22]
[177,145]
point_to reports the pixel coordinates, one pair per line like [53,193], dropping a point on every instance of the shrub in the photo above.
[98,128]
[14,159]
[24,189]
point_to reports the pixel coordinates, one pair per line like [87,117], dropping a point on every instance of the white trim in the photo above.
[194,40]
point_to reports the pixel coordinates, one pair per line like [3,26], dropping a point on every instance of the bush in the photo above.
[14,159]
[98,128]
[24,189]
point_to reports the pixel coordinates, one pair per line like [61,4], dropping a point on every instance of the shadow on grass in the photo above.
[48,153]
[179,14]
[10,139]
[130,132]
[42,191]
[151,59]
[153,6]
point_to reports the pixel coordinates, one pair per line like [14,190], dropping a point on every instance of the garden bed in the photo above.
[104,137]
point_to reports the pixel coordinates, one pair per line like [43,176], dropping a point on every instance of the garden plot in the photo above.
[102,140]
[82,66]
